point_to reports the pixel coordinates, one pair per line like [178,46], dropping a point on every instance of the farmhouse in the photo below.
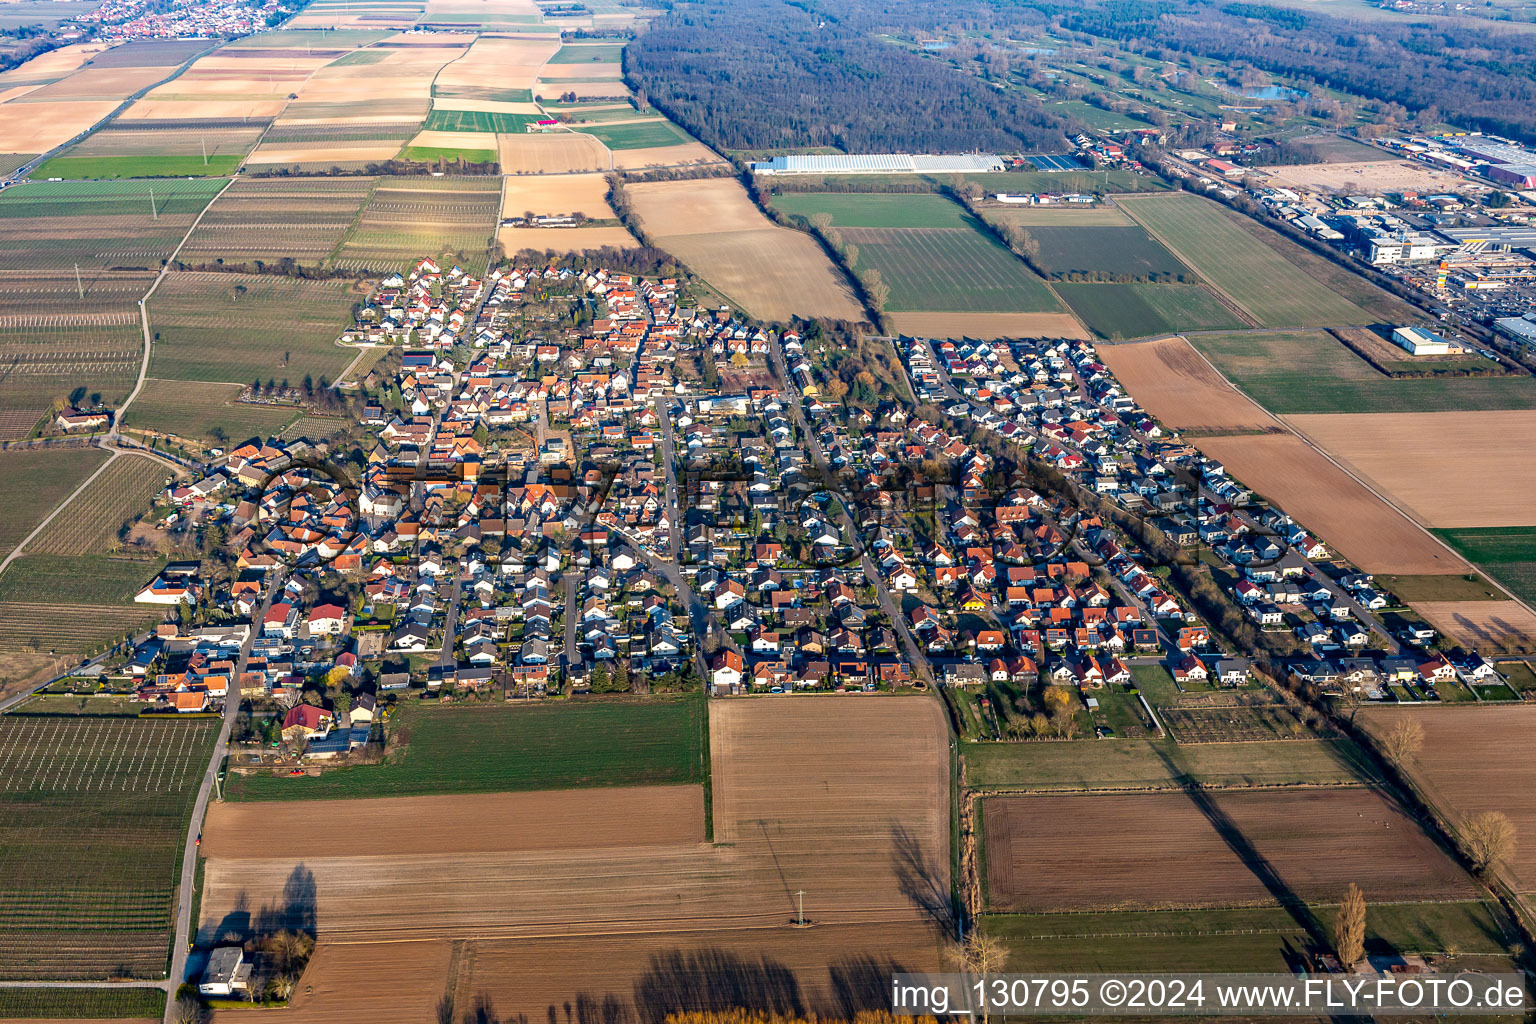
[73,420]
[226,973]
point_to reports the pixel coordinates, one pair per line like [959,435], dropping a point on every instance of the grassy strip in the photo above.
[155,166]
[568,745]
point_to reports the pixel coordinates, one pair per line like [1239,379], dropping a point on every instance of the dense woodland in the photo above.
[761,74]
[1472,73]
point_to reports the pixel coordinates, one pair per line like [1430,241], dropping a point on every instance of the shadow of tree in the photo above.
[921,878]
[712,979]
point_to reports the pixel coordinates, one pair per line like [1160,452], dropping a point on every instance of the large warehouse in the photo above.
[880,163]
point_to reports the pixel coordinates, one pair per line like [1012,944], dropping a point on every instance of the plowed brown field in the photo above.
[1482,625]
[1177,850]
[772,272]
[829,971]
[1446,468]
[1174,383]
[554,153]
[482,823]
[1501,742]
[844,798]
[1325,499]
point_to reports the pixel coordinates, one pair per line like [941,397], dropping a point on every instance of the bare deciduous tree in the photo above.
[1403,740]
[980,954]
[1490,838]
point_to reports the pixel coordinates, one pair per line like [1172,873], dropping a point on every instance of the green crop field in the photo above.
[646,135]
[1507,553]
[35,483]
[949,270]
[107,198]
[1312,372]
[93,815]
[358,56]
[931,253]
[1127,251]
[195,411]
[91,522]
[476,121]
[505,748]
[1493,544]
[588,53]
[483,92]
[139,166]
[1125,763]
[431,154]
[874,209]
[1141,309]
[1274,290]
[235,328]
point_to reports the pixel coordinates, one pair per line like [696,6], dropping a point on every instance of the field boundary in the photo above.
[1221,293]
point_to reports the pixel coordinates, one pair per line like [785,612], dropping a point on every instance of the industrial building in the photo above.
[881,163]
[1518,328]
[1507,163]
[1420,342]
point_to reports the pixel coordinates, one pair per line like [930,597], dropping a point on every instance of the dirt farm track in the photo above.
[843,798]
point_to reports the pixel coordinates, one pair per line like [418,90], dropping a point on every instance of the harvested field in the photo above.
[251,109]
[1462,786]
[1074,853]
[605,90]
[1431,481]
[585,194]
[665,156]
[1176,385]
[115,84]
[325,152]
[565,239]
[554,153]
[1338,509]
[772,272]
[479,823]
[1489,626]
[340,985]
[39,127]
[868,847]
[455,140]
[988,326]
[1372,177]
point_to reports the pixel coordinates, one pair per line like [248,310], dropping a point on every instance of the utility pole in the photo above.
[153,214]
[79,286]
[204,143]
[800,911]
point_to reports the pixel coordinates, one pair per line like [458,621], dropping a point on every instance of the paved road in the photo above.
[184,922]
[668,457]
[450,620]
[570,653]
[165,268]
[888,604]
